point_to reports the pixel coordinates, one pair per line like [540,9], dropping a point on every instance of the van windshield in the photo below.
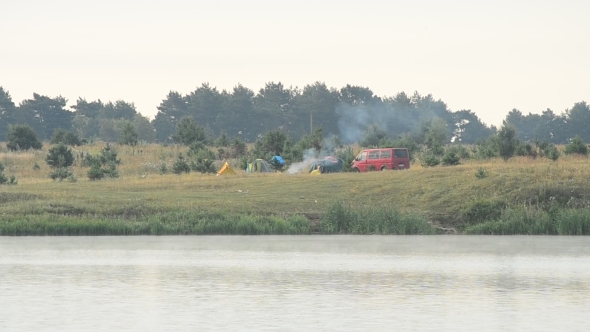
[401,153]
[362,156]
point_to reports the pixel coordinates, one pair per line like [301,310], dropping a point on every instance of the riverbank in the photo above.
[521,196]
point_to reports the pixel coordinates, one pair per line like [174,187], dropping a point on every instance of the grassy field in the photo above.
[143,201]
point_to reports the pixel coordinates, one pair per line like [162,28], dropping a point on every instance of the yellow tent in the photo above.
[226,169]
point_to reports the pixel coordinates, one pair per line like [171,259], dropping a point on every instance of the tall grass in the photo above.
[345,219]
[181,223]
[534,221]
[340,219]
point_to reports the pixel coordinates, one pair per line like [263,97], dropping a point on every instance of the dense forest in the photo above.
[348,113]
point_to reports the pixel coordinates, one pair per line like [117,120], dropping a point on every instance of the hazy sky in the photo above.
[487,56]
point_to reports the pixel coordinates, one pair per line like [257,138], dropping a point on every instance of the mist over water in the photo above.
[294,283]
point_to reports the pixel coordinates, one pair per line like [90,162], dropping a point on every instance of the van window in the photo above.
[362,156]
[374,154]
[385,154]
[401,153]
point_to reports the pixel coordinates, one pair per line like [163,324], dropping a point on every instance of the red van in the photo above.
[381,159]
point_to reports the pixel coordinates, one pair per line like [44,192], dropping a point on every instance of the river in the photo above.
[295,283]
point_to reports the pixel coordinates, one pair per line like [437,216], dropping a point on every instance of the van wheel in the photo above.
[383,168]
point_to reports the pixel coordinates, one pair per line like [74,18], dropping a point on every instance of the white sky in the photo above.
[487,56]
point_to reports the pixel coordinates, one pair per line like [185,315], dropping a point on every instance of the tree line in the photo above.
[350,113]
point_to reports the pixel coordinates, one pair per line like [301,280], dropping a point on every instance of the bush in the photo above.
[238,147]
[65,137]
[507,141]
[576,146]
[372,136]
[163,168]
[60,158]
[430,160]
[22,137]
[486,148]
[61,173]
[181,165]
[347,157]
[103,165]
[204,162]
[189,132]
[548,150]
[481,173]
[450,158]
[525,150]
[95,173]
[129,136]
[222,141]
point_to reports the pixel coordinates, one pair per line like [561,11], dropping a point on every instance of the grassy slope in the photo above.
[439,193]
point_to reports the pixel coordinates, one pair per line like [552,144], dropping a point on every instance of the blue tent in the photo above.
[277,160]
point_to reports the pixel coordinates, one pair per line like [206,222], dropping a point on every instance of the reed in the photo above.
[180,223]
[534,221]
[345,219]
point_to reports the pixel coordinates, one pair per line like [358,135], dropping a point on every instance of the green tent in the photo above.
[259,166]
[328,165]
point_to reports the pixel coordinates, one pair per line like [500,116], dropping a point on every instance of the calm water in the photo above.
[302,283]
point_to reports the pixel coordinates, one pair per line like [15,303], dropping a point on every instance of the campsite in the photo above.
[144,200]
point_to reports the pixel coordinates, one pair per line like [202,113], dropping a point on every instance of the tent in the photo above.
[329,165]
[259,165]
[226,169]
[277,161]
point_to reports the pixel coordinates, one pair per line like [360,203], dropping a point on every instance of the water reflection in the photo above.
[304,283]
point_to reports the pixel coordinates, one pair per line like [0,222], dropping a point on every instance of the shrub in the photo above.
[189,132]
[181,165]
[372,136]
[525,150]
[576,146]
[129,135]
[22,137]
[450,158]
[103,165]
[222,141]
[66,137]
[238,147]
[548,150]
[61,173]
[507,141]
[430,160]
[486,148]
[481,173]
[204,162]
[95,173]
[60,158]
[163,168]
[347,157]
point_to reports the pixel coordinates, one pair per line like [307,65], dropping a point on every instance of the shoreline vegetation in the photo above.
[523,195]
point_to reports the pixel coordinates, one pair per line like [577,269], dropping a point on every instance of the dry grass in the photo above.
[440,193]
